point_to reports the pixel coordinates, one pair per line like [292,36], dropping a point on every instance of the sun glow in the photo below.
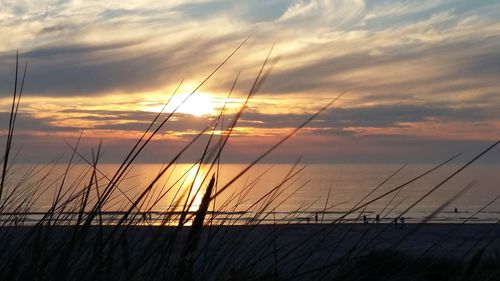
[198,104]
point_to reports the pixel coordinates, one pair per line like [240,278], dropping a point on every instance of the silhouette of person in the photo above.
[456,210]
[146,216]
[377,218]
[395,221]
[316,217]
[365,219]
[402,221]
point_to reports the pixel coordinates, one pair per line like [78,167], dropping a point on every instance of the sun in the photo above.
[198,104]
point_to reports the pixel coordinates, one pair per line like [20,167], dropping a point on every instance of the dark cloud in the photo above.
[53,52]
[26,122]
[469,65]
[115,120]
[180,123]
[56,29]
[381,116]
[77,70]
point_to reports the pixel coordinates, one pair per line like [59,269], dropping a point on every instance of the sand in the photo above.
[297,249]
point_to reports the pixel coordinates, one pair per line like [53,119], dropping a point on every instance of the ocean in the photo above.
[273,193]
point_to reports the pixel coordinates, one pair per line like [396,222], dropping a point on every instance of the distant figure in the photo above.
[377,218]
[146,216]
[395,222]
[365,219]
[456,210]
[316,217]
[402,221]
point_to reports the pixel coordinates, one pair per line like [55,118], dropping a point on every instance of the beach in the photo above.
[299,251]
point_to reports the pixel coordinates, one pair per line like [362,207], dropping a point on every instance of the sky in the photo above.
[420,78]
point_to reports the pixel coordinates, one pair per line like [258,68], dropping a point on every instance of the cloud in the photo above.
[337,14]
[374,116]
[245,10]
[88,70]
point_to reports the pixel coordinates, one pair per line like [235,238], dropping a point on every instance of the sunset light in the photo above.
[198,104]
[239,140]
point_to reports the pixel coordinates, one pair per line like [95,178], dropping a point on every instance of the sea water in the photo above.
[270,193]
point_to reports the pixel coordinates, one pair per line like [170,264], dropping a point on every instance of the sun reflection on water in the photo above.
[195,178]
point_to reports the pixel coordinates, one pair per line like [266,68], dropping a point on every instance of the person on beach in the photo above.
[365,219]
[146,216]
[377,218]
[402,222]
[396,222]
[316,217]
[456,210]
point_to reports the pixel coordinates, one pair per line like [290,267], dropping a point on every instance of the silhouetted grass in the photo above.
[390,265]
